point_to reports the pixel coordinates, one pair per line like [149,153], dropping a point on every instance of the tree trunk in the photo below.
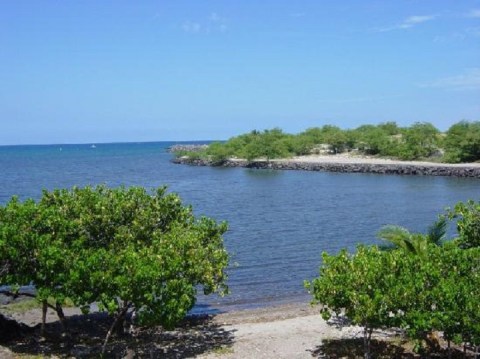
[366,341]
[44,317]
[61,316]
[118,319]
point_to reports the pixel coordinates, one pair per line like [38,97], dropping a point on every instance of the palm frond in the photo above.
[437,231]
[396,235]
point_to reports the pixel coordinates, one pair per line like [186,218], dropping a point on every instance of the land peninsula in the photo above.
[420,149]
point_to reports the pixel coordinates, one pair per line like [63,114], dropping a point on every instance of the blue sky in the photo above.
[108,71]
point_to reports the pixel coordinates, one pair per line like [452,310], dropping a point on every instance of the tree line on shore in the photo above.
[421,140]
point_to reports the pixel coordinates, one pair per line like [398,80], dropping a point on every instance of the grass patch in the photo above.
[25,305]
[21,306]
[223,350]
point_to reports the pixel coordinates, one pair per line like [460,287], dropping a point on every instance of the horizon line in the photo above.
[102,143]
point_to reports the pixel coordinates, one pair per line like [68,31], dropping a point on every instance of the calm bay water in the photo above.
[280,221]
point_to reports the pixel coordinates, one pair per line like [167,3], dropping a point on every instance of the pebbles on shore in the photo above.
[187,148]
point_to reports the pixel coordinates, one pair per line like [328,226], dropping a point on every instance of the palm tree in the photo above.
[414,243]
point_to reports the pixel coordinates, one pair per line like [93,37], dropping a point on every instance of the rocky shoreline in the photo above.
[187,148]
[394,168]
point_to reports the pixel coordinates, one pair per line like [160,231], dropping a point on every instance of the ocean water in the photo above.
[280,221]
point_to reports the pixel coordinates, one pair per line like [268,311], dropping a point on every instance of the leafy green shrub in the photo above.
[418,141]
[420,288]
[468,223]
[124,248]
[372,140]
[462,142]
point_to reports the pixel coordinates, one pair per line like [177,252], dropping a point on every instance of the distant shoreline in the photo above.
[345,163]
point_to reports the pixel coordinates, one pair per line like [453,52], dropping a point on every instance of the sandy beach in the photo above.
[287,331]
[347,158]
[290,331]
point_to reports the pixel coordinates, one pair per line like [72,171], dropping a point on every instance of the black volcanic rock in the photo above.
[394,168]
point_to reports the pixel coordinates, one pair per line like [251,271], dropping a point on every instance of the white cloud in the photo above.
[191,27]
[474,13]
[469,80]
[214,23]
[218,22]
[409,22]
[214,17]
[223,27]
[415,20]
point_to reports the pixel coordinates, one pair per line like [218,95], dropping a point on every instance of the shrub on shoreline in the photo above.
[423,286]
[126,249]
[421,140]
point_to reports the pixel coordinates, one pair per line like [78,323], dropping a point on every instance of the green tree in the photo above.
[462,142]
[219,152]
[424,285]
[359,285]
[268,144]
[435,292]
[335,137]
[418,141]
[421,140]
[125,248]
[297,145]
[414,243]
[313,135]
[33,250]
[372,140]
[390,128]
[467,215]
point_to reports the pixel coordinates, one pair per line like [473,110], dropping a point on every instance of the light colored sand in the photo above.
[284,332]
[357,159]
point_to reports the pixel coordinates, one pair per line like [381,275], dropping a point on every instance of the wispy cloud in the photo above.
[218,22]
[415,20]
[473,31]
[409,22]
[213,23]
[474,13]
[361,99]
[469,80]
[297,14]
[191,27]
[465,34]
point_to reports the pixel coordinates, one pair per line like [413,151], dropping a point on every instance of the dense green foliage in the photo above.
[462,142]
[419,286]
[124,248]
[468,223]
[421,140]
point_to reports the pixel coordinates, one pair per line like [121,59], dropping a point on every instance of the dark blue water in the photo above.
[280,221]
